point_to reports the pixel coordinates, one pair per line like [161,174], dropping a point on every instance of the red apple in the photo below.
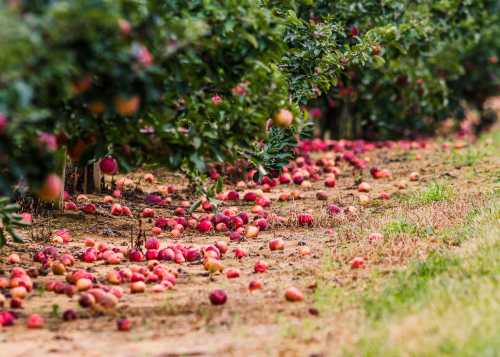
[260,266]
[357,263]
[51,189]
[293,294]
[218,297]
[276,244]
[254,285]
[109,165]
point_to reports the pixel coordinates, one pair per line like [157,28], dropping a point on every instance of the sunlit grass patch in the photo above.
[447,304]
[435,192]
[467,157]
[402,226]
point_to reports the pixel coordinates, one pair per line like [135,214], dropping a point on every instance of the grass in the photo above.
[468,157]
[435,192]
[402,226]
[448,304]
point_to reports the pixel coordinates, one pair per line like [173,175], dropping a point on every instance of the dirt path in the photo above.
[416,222]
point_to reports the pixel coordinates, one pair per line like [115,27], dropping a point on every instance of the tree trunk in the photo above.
[63,178]
[87,179]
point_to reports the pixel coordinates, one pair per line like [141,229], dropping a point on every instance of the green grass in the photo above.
[448,304]
[467,157]
[435,192]
[409,287]
[402,226]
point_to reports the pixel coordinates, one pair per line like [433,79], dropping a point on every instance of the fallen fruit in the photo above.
[321,196]
[86,300]
[375,237]
[69,315]
[35,321]
[218,297]
[204,226]
[357,263]
[304,251]
[137,287]
[293,294]
[364,187]
[252,232]
[260,266]
[305,219]
[414,176]
[333,209]
[276,244]
[123,324]
[14,259]
[232,273]
[254,285]
[330,182]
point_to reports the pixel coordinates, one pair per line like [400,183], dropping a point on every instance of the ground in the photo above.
[430,287]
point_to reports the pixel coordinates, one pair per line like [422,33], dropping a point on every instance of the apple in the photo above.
[126,106]
[333,209]
[330,182]
[51,189]
[232,273]
[3,123]
[89,208]
[357,263]
[305,219]
[252,232]
[293,294]
[375,237]
[254,285]
[213,265]
[283,118]
[123,324]
[262,224]
[108,165]
[321,196]
[240,253]
[304,251]
[260,266]
[276,244]
[152,243]
[218,297]
[204,226]
[137,287]
[70,206]
[250,196]
[233,196]
[14,258]
[384,195]
[364,187]
[414,176]
[148,213]
[34,321]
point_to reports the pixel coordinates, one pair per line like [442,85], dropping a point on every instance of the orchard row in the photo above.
[180,85]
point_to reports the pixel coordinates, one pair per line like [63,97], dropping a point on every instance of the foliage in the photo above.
[436,56]
[9,220]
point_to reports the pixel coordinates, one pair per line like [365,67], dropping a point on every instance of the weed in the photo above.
[435,192]
[467,157]
[401,226]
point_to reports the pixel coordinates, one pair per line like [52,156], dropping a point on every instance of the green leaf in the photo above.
[194,206]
